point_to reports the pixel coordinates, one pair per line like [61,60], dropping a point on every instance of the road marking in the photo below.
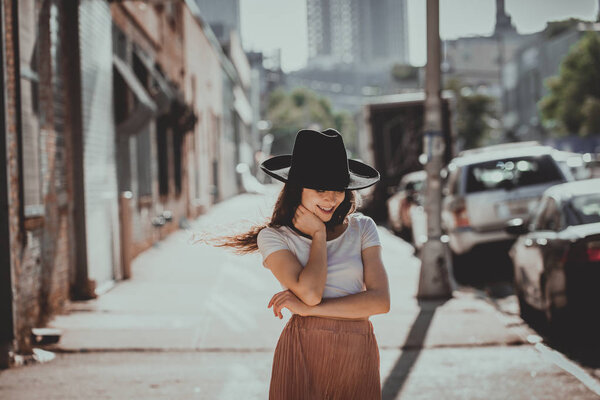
[557,358]
[567,365]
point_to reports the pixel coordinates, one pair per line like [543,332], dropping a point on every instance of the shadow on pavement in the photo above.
[483,266]
[411,349]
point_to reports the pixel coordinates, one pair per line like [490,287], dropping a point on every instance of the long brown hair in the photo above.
[283,212]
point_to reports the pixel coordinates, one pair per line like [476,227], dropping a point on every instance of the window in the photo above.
[512,173]
[162,151]
[537,215]
[550,218]
[177,160]
[144,162]
[584,209]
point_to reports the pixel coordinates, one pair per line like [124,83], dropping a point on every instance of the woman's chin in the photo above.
[325,218]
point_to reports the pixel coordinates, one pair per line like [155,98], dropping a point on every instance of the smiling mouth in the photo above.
[326,210]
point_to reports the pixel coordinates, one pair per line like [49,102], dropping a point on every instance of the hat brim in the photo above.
[361,175]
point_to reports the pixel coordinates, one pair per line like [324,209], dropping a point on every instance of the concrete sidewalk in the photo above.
[193,323]
[174,301]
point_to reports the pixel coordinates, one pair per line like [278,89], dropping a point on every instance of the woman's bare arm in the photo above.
[375,300]
[307,283]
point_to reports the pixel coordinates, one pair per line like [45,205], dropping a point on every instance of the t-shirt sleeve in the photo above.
[369,235]
[270,241]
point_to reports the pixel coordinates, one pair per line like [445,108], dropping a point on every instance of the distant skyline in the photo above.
[270,24]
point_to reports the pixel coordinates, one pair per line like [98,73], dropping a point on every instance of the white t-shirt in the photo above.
[344,262]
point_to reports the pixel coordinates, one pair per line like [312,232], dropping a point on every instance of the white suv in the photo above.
[489,186]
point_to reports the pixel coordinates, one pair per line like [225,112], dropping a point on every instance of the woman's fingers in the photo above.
[277,311]
[279,303]
[282,300]
[275,297]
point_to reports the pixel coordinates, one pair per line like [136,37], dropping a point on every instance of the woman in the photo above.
[328,261]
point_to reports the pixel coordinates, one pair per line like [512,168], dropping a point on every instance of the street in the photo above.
[193,323]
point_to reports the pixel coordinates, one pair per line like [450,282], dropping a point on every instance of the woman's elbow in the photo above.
[309,297]
[312,299]
[386,307]
[385,304]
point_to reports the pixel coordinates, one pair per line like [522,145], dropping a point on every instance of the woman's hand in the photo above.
[307,222]
[287,299]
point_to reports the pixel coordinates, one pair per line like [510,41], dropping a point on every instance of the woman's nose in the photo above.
[330,196]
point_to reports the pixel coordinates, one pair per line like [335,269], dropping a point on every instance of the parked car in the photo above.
[404,205]
[556,259]
[577,164]
[489,186]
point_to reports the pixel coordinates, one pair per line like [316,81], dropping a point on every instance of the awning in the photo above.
[168,98]
[184,117]
[145,108]
[161,90]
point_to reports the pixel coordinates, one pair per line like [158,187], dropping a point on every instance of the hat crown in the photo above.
[319,160]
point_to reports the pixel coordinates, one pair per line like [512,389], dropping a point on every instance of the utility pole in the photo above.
[433,281]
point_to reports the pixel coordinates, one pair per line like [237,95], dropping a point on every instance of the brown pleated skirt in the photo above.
[322,358]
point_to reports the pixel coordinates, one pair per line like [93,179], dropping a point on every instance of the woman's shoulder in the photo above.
[362,223]
[273,233]
[359,218]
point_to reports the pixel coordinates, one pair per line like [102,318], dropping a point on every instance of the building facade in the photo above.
[42,213]
[524,76]
[114,133]
[477,61]
[371,32]
[222,15]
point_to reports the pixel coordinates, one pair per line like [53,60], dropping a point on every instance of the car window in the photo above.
[584,209]
[550,219]
[512,173]
[536,219]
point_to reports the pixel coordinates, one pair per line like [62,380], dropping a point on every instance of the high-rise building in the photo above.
[357,32]
[503,20]
[223,16]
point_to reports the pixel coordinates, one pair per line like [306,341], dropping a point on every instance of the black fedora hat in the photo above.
[319,161]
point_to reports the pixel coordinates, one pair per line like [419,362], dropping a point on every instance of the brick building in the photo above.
[121,121]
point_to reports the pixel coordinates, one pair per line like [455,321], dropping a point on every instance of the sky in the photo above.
[267,25]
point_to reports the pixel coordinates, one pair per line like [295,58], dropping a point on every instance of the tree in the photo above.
[573,101]
[300,109]
[403,72]
[473,113]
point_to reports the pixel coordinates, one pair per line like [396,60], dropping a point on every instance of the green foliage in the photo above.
[403,72]
[473,111]
[299,97]
[591,116]
[302,108]
[571,106]
[276,97]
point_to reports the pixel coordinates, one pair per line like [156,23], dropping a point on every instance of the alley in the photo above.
[193,323]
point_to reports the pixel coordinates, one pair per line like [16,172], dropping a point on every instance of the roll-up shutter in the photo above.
[100,175]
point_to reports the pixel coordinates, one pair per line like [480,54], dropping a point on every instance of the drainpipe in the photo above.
[7,333]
